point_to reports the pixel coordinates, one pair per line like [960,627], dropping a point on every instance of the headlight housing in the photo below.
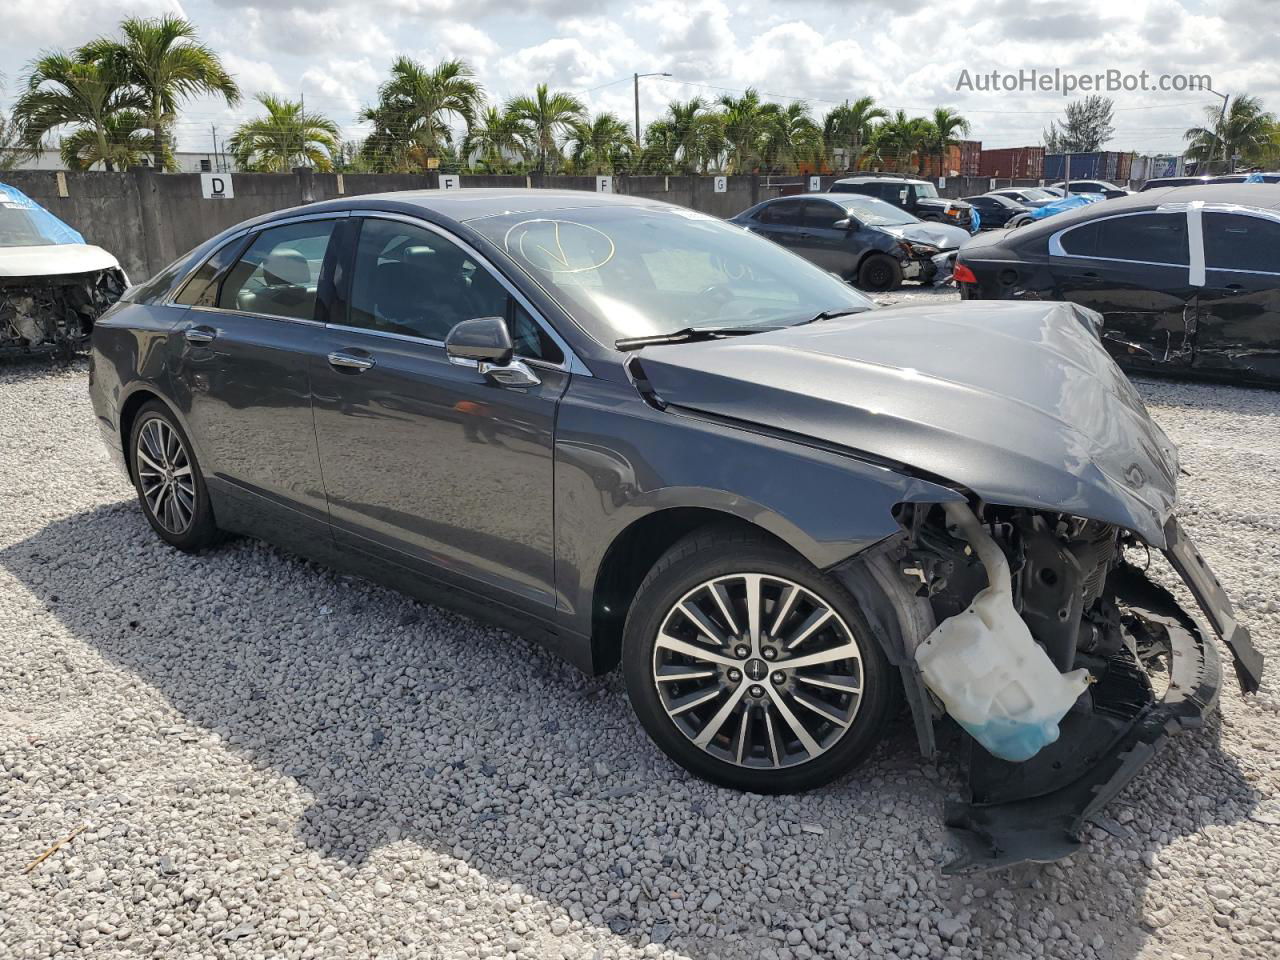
[918,249]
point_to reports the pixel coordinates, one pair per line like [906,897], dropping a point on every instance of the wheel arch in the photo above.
[632,554]
[129,407]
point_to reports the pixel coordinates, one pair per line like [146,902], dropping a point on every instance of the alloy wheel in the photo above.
[758,671]
[165,477]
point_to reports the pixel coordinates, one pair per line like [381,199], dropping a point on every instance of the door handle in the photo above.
[347,361]
[200,334]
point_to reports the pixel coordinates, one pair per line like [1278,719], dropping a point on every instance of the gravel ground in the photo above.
[264,759]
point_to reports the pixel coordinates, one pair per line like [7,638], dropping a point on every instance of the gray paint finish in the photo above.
[1017,402]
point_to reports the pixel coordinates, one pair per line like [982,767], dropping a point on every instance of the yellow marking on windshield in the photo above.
[535,238]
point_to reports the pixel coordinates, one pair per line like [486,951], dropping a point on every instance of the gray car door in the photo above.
[428,463]
[241,372]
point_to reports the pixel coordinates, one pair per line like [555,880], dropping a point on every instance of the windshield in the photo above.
[877,213]
[17,229]
[624,271]
[924,190]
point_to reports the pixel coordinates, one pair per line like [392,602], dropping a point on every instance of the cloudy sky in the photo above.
[907,53]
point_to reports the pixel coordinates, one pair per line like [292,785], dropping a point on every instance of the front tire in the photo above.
[879,272]
[751,668]
[167,478]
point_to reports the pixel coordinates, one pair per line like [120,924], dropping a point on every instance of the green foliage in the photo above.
[284,138]
[1085,128]
[1245,131]
[416,105]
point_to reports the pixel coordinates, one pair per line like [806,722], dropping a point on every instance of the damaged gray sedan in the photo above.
[53,285]
[644,436]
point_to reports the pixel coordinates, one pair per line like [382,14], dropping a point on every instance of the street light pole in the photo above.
[635,77]
[1222,124]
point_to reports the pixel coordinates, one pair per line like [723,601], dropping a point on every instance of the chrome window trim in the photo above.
[1056,249]
[240,234]
[255,316]
[570,364]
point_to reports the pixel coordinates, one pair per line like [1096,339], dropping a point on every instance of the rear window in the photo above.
[1234,242]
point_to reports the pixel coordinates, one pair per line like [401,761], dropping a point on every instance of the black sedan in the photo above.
[646,437]
[866,241]
[995,210]
[1186,279]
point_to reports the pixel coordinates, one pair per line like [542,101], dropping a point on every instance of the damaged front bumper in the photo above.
[1034,811]
[936,269]
[55,311]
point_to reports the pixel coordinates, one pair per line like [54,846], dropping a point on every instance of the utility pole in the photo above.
[1222,126]
[635,79]
[213,165]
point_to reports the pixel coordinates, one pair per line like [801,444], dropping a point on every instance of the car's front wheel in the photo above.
[167,477]
[752,669]
[879,272]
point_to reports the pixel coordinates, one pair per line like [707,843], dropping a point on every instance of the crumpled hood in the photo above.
[941,235]
[54,259]
[1017,402]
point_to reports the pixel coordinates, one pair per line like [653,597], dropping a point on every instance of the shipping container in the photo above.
[1014,163]
[970,157]
[1104,165]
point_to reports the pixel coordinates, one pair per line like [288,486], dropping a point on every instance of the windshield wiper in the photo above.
[832,314]
[687,335]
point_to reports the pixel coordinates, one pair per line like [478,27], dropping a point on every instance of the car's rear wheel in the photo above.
[752,669]
[167,477]
[879,272]
[1021,220]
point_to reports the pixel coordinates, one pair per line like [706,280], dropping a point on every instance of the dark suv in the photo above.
[915,196]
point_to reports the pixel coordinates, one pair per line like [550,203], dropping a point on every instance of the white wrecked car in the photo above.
[53,285]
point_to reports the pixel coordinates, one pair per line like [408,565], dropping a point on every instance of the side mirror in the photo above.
[848,223]
[485,343]
[482,340]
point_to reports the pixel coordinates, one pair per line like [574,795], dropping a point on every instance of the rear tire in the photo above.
[879,272]
[1021,220]
[167,478]
[728,708]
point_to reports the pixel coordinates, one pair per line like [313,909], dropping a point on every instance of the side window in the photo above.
[201,290]
[1082,241]
[412,281]
[1233,242]
[1153,237]
[784,212]
[277,274]
[821,214]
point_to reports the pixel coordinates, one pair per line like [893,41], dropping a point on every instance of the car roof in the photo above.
[473,203]
[881,179]
[1265,196]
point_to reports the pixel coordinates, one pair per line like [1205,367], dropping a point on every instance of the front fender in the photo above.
[619,461]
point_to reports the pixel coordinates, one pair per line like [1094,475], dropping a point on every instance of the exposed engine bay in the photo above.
[1120,664]
[55,311]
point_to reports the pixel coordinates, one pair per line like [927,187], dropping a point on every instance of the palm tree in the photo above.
[899,138]
[940,135]
[417,105]
[850,126]
[745,121]
[545,116]
[61,90]
[599,145]
[693,132]
[494,140]
[286,137]
[163,60]
[128,140]
[791,138]
[1245,129]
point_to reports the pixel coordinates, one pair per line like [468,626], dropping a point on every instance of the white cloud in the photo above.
[337,51]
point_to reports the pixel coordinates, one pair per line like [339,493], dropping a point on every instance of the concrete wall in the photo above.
[147,220]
